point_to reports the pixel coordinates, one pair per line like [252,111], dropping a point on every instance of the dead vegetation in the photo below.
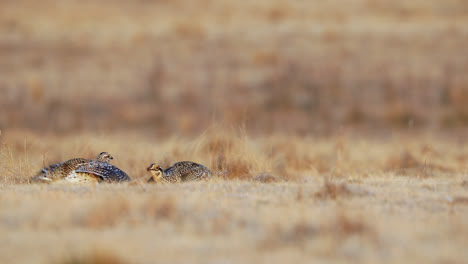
[96,257]
[233,155]
[333,191]
[364,211]
[107,214]
[335,131]
[192,62]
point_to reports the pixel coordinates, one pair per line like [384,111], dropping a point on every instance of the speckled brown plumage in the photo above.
[81,170]
[104,157]
[104,171]
[180,171]
[59,171]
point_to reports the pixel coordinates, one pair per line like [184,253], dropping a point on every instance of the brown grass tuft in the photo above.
[460,200]
[218,143]
[406,164]
[190,28]
[464,184]
[402,116]
[97,257]
[265,178]
[345,226]
[233,159]
[300,232]
[237,169]
[332,191]
[404,160]
[108,213]
[159,208]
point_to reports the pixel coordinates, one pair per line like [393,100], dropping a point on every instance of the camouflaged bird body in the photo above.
[104,171]
[81,170]
[180,171]
[59,171]
[164,179]
[187,171]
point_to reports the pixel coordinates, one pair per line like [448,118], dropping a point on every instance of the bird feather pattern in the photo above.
[106,171]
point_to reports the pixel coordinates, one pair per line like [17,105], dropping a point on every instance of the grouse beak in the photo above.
[110,157]
[149,168]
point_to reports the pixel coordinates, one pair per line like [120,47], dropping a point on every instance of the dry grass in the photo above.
[354,208]
[312,67]
[96,257]
[337,135]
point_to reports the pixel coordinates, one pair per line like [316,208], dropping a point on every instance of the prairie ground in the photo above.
[339,130]
[274,200]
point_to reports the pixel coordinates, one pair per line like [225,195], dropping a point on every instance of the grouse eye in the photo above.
[83,161]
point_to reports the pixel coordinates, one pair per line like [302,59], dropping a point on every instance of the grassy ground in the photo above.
[336,199]
[320,169]
[381,219]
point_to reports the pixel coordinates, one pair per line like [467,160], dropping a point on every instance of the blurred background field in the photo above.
[336,130]
[172,67]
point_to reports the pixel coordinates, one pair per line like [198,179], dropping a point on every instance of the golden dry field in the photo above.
[275,200]
[301,67]
[336,130]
